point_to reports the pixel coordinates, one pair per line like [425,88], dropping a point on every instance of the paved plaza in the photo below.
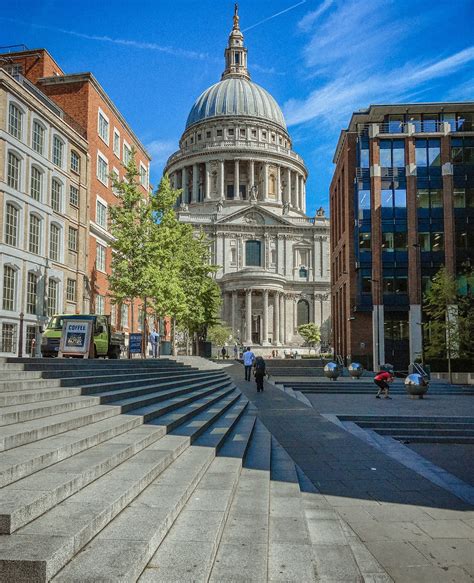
[415,529]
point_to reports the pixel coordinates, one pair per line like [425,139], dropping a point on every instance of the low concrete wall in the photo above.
[459,378]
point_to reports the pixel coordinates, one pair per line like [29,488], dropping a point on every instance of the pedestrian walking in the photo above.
[249,358]
[383,380]
[155,343]
[259,372]
[236,352]
[224,353]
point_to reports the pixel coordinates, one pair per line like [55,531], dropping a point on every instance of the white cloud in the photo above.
[309,19]
[337,99]
[355,55]
[161,150]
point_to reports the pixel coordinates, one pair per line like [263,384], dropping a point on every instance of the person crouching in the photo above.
[383,380]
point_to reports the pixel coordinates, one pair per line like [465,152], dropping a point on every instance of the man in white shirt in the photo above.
[249,358]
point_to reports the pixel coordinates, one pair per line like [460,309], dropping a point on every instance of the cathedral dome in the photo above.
[236,95]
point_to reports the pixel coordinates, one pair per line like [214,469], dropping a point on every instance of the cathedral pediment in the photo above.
[253,216]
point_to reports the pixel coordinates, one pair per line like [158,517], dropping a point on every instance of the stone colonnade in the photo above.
[205,181]
[251,319]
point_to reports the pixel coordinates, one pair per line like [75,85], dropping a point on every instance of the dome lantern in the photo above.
[235,53]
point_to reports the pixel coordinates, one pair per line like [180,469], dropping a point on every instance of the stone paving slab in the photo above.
[379,501]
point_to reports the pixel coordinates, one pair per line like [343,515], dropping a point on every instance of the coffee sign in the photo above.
[76,338]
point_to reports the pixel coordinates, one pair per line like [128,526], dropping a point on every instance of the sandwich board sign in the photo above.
[76,338]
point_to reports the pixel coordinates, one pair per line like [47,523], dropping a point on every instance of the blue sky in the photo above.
[320,59]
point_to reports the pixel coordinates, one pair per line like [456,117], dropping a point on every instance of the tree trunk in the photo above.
[173,337]
[145,331]
[131,328]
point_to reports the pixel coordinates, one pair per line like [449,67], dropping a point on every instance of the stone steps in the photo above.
[32,431]
[290,553]
[242,553]
[416,429]
[20,504]
[26,459]
[45,393]
[29,554]
[82,378]
[29,411]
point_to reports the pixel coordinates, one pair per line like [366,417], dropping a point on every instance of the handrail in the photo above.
[419,369]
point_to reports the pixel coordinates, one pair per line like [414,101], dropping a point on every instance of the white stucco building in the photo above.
[246,188]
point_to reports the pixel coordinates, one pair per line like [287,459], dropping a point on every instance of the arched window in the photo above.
[253,253]
[31,293]
[36,183]
[34,234]
[58,151]
[54,242]
[53,288]
[15,121]
[56,195]
[11,224]
[302,312]
[9,288]
[37,137]
[13,171]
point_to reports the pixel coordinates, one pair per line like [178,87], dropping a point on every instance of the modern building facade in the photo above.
[44,231]
[245,187]
[88,108]
[402,205]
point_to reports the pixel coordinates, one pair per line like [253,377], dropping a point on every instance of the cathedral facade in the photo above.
[245,187]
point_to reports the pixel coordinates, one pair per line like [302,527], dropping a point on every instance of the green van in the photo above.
[106,342]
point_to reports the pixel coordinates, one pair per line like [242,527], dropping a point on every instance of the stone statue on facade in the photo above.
[286,208]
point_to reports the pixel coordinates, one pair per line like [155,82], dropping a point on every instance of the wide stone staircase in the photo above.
[417,429]
[149,471]
[301,367]
[366,386]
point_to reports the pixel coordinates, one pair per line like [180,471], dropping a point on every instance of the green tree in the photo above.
[450,320]
[219,334]
[183,284]
[310,333]
[131,226]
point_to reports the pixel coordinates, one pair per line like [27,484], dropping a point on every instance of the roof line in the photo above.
[78,77]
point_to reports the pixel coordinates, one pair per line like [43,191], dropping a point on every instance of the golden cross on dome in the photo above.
[236,16]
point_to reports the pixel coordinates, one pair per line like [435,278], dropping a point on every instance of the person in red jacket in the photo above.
[383,380]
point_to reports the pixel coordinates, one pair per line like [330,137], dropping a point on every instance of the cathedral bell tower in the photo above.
[236,53]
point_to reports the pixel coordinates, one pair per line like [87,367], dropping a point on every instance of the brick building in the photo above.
[402,205]
[44,226]
[110,142]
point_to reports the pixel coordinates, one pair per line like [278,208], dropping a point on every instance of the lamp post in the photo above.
[44,311]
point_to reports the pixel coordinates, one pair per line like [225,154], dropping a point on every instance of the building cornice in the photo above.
[89,78]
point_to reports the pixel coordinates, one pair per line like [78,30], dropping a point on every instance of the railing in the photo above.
[234,144]
[405,128]
[417,367]
[363,173]
[394,172]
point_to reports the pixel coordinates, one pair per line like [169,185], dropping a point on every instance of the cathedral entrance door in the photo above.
[256,330]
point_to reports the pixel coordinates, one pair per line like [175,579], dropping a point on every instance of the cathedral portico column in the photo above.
[184,183]
[251,176]
[236,180]
[195,197]
[297,190]
[282,318]
[304,196]
[288,186]
[276,318]
[233,311]
[278,184]
[265,317]
[207,184]
[248,316]
[265,181]
[221,179]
